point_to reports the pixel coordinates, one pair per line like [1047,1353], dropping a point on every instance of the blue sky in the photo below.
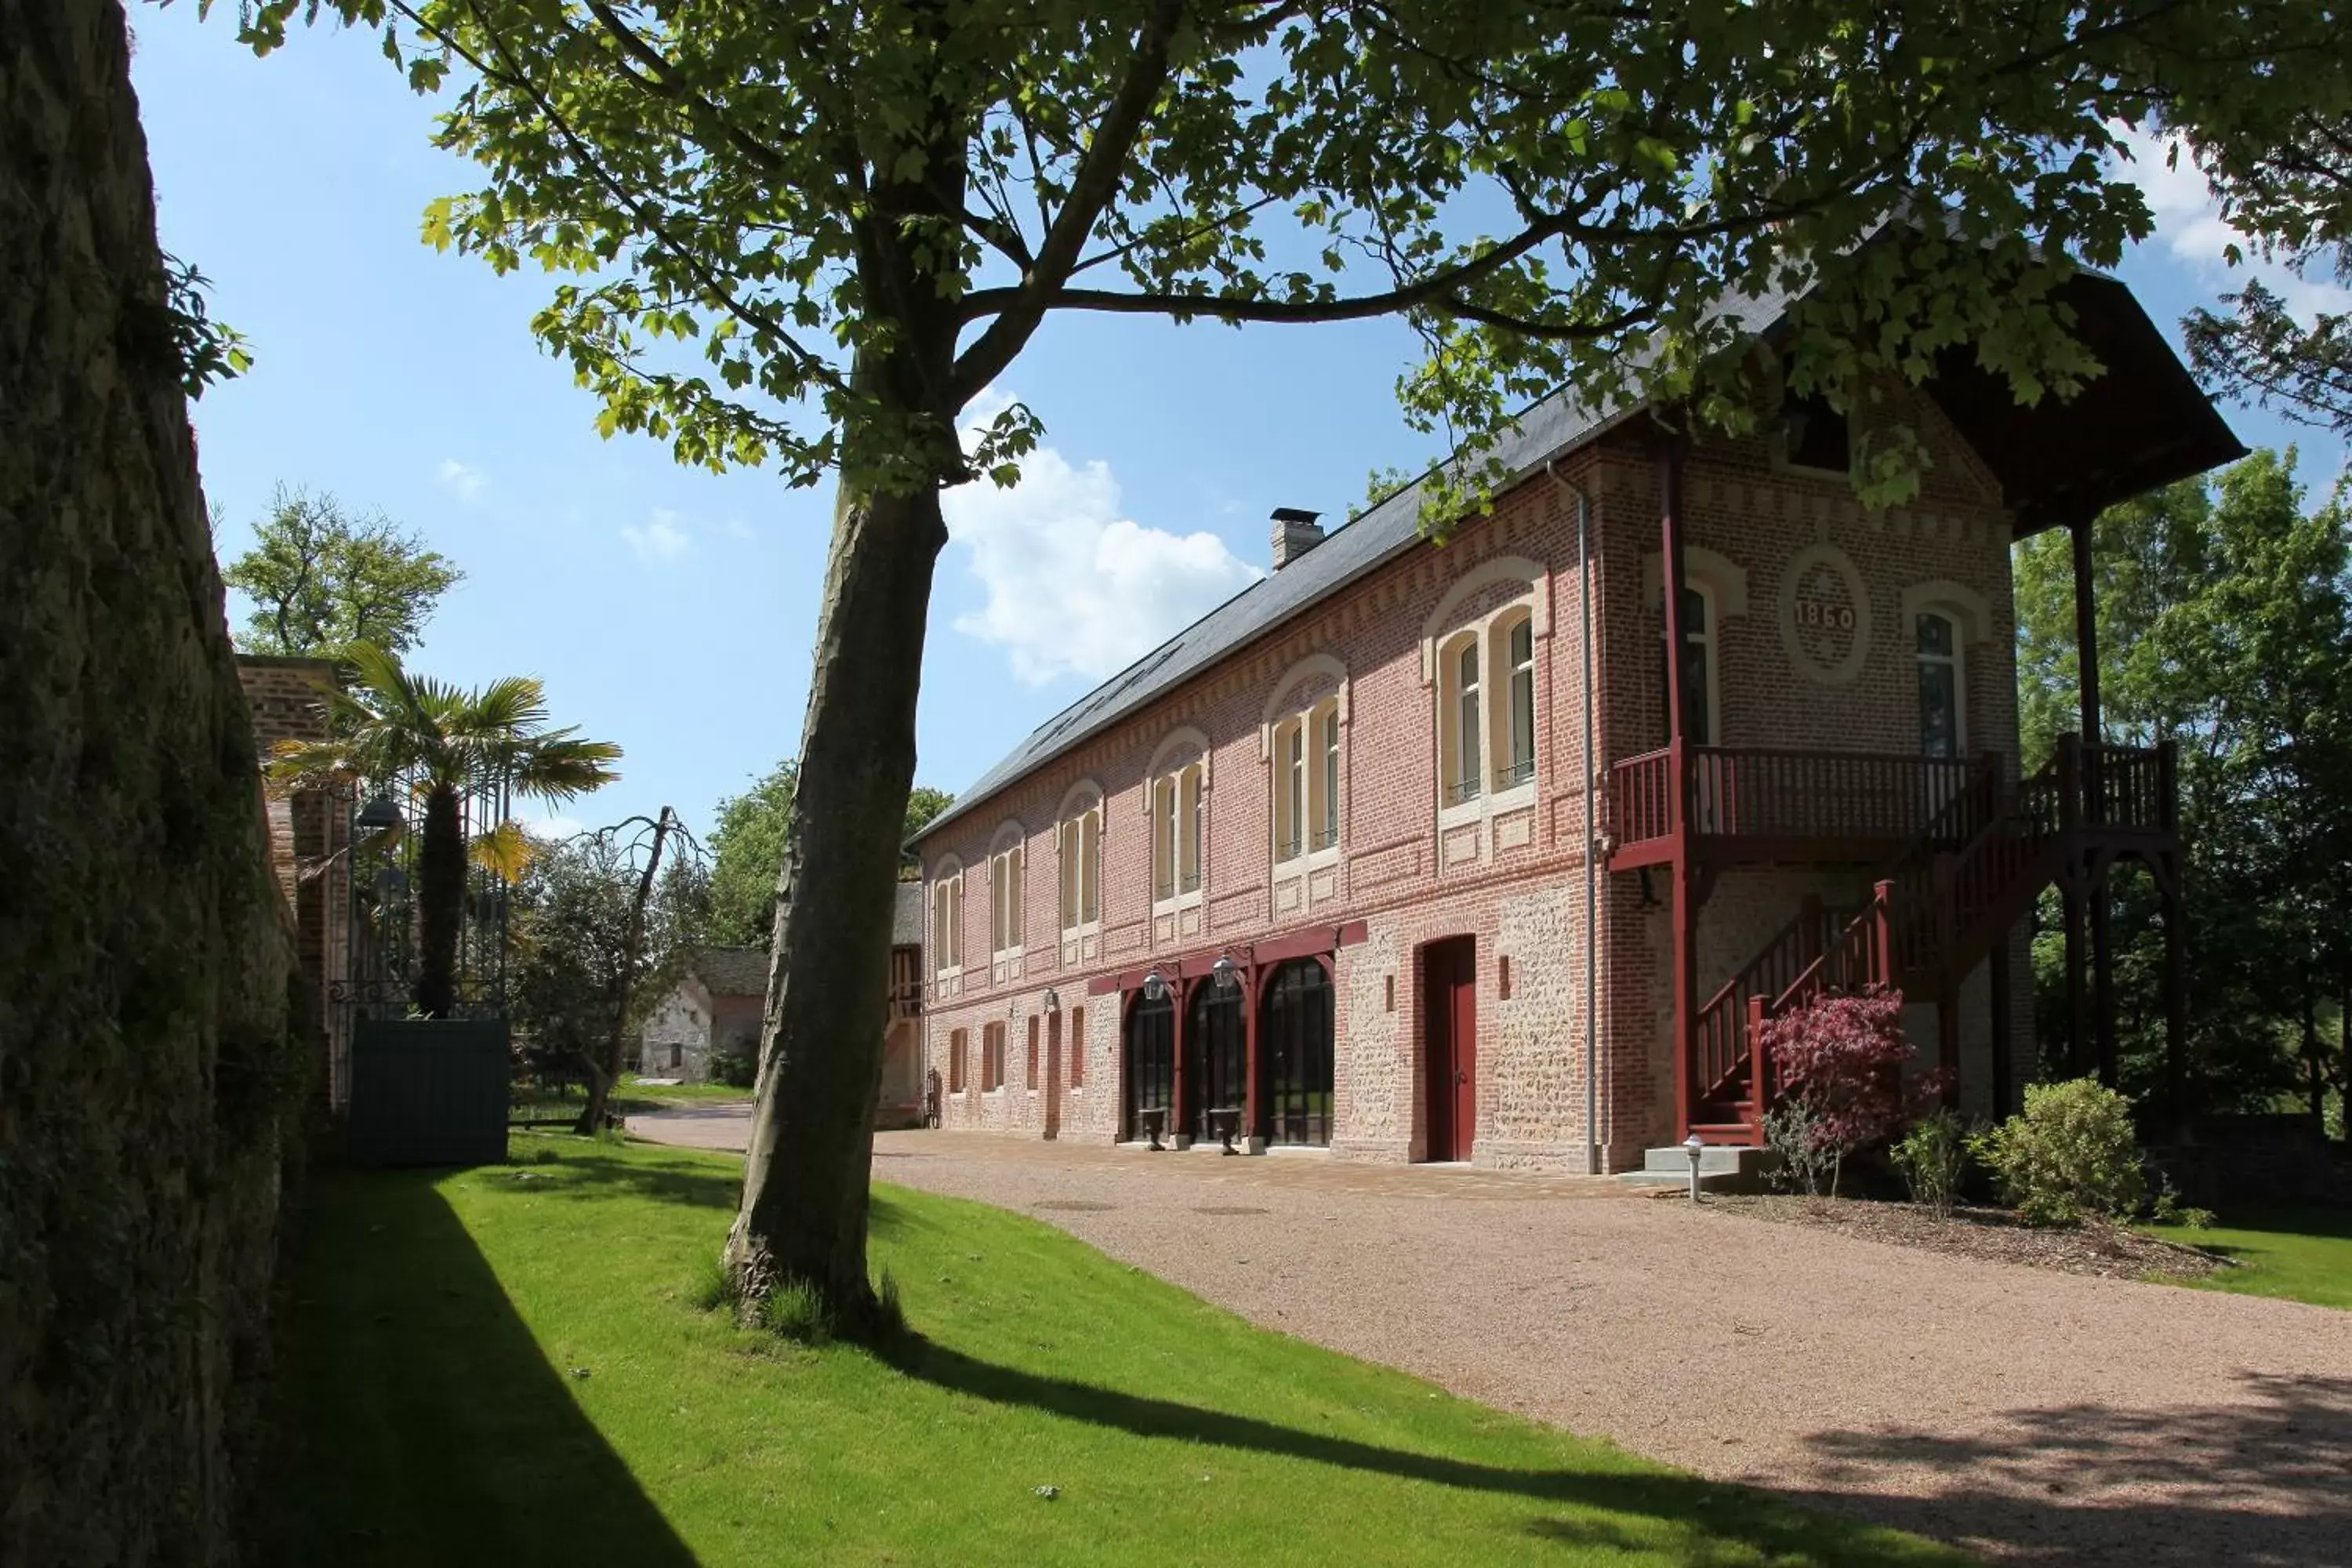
[669,610]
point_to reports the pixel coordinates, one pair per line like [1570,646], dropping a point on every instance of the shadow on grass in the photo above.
[1732,1523]
[417,1419]
[2261,1482]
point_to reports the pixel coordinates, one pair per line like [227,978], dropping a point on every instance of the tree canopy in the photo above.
[2225,625]
[748,846]
[807,234]
[322,578]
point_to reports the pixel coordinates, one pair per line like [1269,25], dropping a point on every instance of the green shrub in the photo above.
[734,1069]
[2071,1154]
[1933,1157]
[1793,1130]
[2169,1209]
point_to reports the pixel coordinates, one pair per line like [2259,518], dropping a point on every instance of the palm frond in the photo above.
[505,849]
[516,705]
[560,766]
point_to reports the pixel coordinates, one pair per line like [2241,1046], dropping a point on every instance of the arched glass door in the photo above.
[1150,1060]
[1294,1051]
[1216,1056]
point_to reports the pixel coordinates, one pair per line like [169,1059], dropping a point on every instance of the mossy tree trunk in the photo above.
[144,1058]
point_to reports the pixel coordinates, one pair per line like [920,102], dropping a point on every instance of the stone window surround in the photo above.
[1183,749]
[1442,637]
[1081,800]
[947,879]
[1008,868]
[1274,721]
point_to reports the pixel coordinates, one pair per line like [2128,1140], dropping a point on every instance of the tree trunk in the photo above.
[145,1065]
[440,902]
[605,1071]
[804,1188]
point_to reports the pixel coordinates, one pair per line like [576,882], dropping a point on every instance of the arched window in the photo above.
[1699,668]
[1515,714]
[1176,814]
[1323,826]
[1942,691]
[1460,754]
[1305,754]
[947,919]
[1149,1046]
[1295,1052]
[1079,853]
[1007,863]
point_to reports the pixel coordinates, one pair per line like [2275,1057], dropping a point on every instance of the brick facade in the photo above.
[1507,868]
[308,831]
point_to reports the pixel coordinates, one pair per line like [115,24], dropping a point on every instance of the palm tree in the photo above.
[388,725]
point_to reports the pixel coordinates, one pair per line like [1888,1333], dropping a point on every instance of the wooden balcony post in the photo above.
[1685,915]
[1759,1064]
[2087,632]
[1882,907]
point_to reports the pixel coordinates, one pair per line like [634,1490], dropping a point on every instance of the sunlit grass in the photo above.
[521,1365]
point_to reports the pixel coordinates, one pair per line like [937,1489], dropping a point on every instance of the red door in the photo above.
[1449,1000]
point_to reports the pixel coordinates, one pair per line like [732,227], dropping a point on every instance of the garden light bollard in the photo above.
[1694,1149]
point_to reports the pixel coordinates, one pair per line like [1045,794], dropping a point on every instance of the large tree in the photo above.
[146,1067]
[322,577]
[748,846]
[2225,626]
[391,730]
[856,214]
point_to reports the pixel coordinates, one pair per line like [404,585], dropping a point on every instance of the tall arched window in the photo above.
[1307,782]
[1324,833]
[947,919]
[1942,701]
[1079,851]
[1699,668]
[1006,865]
[1460,752]
[1176,813]
[1515,718]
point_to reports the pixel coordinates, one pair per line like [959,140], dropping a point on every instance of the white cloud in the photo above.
[463,478]
[738,529]
[554,829]
[1074,588]
[660,541]
[2190,225]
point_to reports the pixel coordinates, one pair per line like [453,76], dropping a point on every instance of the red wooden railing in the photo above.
[1961,877]
[1754,792]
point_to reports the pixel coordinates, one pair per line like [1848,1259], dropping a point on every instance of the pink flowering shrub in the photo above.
[1840,1056]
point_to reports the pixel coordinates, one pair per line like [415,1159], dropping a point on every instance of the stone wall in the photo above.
[145,1062]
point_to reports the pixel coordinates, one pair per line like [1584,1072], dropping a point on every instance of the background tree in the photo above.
[603,924]
[147,1069]
[2289,183]
[2225,625]
[748,846]
[321,579]
[389,730]
[858,214]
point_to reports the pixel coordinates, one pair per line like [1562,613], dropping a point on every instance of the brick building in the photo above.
[308,830]
[719,1003]
[1503,851]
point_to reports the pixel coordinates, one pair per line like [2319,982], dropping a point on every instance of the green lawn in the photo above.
[631,1097]
[506,1366]
[2303,1255]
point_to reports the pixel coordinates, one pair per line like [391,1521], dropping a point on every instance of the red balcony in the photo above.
[1756,804]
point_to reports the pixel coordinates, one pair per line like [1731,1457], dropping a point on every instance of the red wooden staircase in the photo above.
[1933,915]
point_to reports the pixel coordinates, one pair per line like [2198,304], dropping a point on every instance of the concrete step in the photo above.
[1722,1168]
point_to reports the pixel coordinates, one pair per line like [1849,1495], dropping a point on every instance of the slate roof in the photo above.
[2147,414]
[732,970]
[906,915]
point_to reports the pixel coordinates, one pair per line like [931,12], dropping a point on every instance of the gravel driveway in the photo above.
[2033,1417]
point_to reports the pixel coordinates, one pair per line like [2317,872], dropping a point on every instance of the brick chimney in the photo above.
[1294,533]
